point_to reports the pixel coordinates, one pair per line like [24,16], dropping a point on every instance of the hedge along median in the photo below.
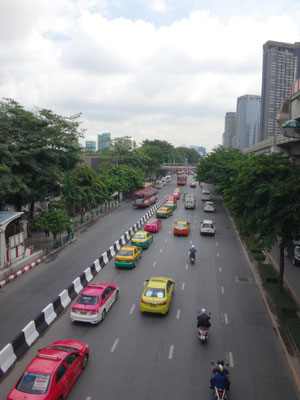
[24,339]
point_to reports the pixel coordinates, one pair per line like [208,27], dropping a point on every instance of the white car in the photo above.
[209,206]
[207,227]
[205,195]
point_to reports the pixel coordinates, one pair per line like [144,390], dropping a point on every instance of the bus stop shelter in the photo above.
[6,217]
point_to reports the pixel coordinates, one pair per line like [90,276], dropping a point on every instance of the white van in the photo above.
[189,201]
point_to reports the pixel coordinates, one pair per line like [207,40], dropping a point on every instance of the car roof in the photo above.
[94,289]
[127,247]
[140,233]
[48,359]
[181,222]
[152,219]
[159,282]
[207,221]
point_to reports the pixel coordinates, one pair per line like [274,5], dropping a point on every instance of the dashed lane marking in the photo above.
[154,263]
[132,309]
[217,244]
[160,250]
[218,254]
[225,318]
[222,290]
[178,314]
[183,286]
[166,240]
[114,345]
[220,269]
[186,266]
[171,352]
[169,231]
[191,241]
[230,356]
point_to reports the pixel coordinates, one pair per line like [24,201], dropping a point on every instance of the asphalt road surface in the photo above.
[143,357]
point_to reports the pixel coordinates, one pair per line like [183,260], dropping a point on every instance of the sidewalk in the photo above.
[44,245]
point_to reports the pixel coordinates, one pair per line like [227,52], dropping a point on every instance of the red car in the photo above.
[171,197]
[94,302]
[153,225]
[53,372]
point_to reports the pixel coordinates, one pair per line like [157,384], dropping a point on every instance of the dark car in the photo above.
[296,255]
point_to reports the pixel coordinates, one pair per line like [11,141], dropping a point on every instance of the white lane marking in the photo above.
[171,352]
[218,254]
[169,231]
[191,241]
[225,318]
[217,244]
[154,263]
[114,345]
[183,286]
[230,359]
[220,269]
[89,398]
[186,266]
[194,226]
[178,314]
[166,240]
[222,290]
[160,250]
[132,308]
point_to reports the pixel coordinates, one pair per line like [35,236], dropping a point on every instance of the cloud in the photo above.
[130,77]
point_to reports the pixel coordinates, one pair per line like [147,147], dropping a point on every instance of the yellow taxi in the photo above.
[164,212]
[142,239]
[128,256]
[157,295]
[170,204]
[177,190]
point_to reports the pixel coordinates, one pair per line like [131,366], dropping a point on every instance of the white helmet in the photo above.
[220,367]
[203,311]
[193,246]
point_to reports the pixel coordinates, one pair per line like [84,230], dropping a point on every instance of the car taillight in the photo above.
[94,311]
[116,258]
[131,260]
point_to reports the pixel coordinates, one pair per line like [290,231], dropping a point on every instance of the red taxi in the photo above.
[53,372]
[153,225]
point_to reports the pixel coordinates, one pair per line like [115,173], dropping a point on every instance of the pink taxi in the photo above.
[153,225]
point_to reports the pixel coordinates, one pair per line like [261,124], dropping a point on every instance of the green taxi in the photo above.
[170,204]
[164,212]
[142,239]
[128,256]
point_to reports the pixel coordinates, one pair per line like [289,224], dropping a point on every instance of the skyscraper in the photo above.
[229,131]
[90,145]
[103,140]
[281,67]
[247,120]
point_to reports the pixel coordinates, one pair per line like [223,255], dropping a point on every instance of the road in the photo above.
[136,356]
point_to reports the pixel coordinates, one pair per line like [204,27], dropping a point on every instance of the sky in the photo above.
[149,69]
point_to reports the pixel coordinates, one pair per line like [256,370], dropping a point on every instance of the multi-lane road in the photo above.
[143,357]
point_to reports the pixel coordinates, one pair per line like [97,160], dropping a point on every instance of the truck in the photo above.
[189,201]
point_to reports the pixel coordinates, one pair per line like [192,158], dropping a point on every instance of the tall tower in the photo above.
[281,67]
[229,130]
[103,140]
[247,120]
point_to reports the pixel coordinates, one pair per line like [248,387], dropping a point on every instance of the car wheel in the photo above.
[103,315]
[85,361]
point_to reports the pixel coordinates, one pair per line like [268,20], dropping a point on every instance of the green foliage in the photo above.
[267,272]
[56,221]
[252,244]
[293,325]
[259,257]
[284,300]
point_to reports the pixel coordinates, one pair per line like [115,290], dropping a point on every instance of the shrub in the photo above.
[267,272]
[259,257]
[293,325]
[253,245]
[283,299]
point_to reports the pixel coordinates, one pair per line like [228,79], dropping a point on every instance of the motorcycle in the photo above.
[220,394]
[192,257]
[203,334]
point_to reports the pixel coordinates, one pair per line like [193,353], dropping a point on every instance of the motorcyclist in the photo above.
[192,252]
[203,319]
[220,379]
[219,364]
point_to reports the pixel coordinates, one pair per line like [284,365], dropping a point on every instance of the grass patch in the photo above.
[293,325]
[252,244]
[284,300]
[267,272]
[259,257]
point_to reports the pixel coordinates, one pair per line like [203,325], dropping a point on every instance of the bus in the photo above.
[145,197]
[181,180]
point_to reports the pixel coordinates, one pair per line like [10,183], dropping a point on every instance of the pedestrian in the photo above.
[47,234]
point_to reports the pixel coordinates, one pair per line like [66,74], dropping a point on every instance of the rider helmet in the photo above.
[193,246]
[203,311]
[220,368]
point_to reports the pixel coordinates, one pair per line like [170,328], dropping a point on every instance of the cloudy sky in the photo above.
[150,69]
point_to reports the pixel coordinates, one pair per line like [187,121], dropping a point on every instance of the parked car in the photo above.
[207,227]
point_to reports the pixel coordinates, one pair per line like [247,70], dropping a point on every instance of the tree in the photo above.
[265,198]
[56,221]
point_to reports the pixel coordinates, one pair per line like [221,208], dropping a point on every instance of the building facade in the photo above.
[90,145]
[229,130]
[103,140]
[281,67]
[247,121]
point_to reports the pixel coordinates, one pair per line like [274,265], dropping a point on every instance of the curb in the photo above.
[28,335]
[21,271]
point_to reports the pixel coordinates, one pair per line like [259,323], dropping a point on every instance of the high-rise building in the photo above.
[247,120]
[201,150]
[281,67]
[103,140]
[90,145]
[229,131]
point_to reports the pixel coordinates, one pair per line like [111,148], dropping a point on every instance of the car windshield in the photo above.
[138,196]
[154,292]
[88,300]
[125,253]
[139,236]
[207,226]
[151,222]
[297,251]
[181,224]
[34,383]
